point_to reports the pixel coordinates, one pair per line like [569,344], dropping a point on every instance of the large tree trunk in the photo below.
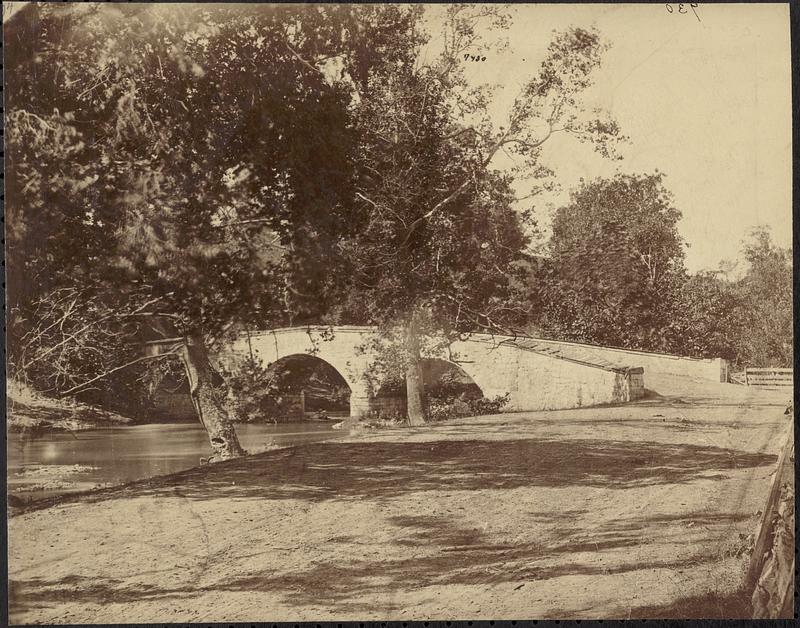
[209,394]
[414,386]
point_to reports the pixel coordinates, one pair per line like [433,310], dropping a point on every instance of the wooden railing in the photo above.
[738,378]
[768,377]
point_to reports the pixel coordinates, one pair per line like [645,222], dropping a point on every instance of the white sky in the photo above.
[708,103]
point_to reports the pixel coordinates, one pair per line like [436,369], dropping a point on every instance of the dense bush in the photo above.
[384,418]
[253,392]
[615,277]
[489,406]
[443,408]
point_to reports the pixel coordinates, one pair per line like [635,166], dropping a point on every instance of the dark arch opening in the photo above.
[446,380]
[168,394]
[295,387]
[306,386]
[449,391]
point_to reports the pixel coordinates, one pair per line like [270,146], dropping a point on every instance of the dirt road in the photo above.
[630,511]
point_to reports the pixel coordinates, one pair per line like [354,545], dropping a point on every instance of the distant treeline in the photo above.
[614,275]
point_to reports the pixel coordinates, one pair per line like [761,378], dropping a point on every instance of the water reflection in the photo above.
[46,464]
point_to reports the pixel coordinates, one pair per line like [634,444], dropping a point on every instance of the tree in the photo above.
[763,318]
[616,262]
[747,320]
[702,318]
[189,161]
[439,240]
[325,148]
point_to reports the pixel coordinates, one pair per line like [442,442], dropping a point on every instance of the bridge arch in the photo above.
[311,382]
[339,349]
[446,378]
[445,382]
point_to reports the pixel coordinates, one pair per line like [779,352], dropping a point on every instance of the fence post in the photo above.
[746,380]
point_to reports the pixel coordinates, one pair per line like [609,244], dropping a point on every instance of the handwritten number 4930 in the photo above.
[682,9]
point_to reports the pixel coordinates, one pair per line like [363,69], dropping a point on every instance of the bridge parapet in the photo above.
[536,374]
[499,366]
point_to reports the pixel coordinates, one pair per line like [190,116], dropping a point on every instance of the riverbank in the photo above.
[29,411]
[54,463]
[639,510]
[57,446]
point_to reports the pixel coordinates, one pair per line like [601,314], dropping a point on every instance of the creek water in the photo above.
[59,462]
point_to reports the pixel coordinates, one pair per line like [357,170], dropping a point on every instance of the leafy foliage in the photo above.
[615,276]
[763,318]
[119,187]
[444,408]
[438,230]
[703,318]
[254,391]
[616,259]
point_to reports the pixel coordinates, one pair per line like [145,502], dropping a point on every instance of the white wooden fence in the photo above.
[764,377]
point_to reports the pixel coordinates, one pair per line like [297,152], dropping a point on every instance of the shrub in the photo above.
[253,392]
[441,409]
[489,406]
[383,418]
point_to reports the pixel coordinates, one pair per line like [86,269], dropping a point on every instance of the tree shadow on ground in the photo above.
[707,606]
[437,551]
[675,422]
[333,470]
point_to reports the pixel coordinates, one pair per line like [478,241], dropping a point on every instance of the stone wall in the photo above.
[388,405]
[655,364]
[533,379]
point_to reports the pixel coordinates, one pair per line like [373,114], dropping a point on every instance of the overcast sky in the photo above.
[706,102]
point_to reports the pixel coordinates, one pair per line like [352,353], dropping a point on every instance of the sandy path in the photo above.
[603,512]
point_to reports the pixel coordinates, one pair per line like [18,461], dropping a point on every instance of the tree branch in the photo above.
[469,129]
[42,121]
[297,56]
[77,388]
[74,335]
[249,221]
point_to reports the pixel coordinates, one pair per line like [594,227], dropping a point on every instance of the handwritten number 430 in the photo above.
[682,9]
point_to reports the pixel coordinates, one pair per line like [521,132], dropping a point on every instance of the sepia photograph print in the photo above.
[395,312]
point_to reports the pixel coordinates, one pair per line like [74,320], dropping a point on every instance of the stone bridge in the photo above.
[537,374]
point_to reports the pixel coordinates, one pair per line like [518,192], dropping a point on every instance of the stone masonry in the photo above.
[533,379]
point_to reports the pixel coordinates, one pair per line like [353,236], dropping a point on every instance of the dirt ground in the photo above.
[642,510]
